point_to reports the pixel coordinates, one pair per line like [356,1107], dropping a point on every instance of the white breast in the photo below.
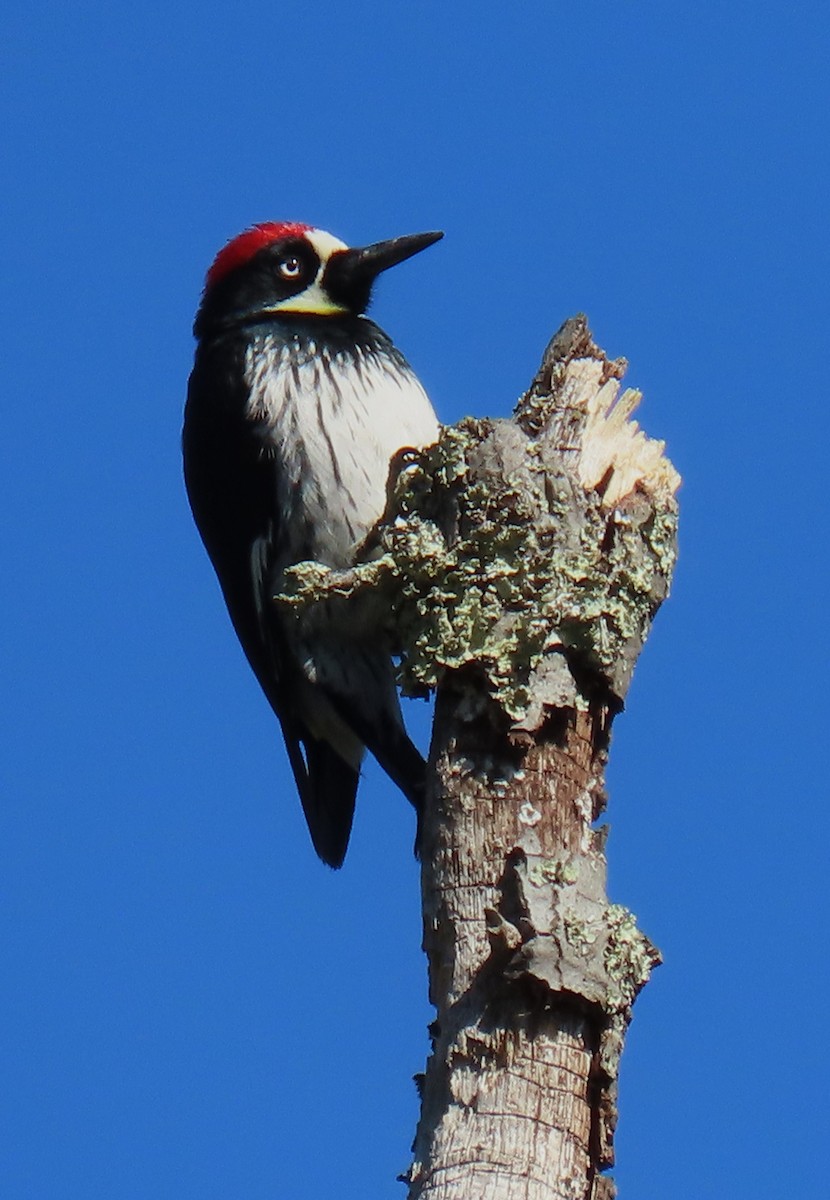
[332,422]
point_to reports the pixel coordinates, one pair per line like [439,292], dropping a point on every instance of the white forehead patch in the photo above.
[324,243]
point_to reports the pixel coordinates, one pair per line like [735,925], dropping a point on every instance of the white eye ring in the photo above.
[291,268]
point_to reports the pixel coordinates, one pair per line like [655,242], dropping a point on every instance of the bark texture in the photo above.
[523,561]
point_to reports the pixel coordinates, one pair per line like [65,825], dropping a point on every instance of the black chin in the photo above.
[349,274]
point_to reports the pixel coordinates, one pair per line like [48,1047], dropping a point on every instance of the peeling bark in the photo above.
[523,562]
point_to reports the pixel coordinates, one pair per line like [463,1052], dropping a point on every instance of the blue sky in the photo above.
[171,948]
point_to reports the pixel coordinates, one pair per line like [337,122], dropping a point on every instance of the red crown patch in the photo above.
[245,245]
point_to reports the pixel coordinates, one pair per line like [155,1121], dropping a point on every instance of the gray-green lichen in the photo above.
[489,557]
[558,871]
[629,957]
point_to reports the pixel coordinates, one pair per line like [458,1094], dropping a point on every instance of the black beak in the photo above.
[349,275]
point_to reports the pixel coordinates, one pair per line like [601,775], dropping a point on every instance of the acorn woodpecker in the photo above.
[296,405]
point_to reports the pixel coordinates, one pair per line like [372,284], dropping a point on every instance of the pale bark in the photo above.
[524,561]
[532,971]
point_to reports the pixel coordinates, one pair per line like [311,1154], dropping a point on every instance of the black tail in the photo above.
[328,786]
[363,697]
[374,715]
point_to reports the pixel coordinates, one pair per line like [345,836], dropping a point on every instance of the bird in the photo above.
[296,404]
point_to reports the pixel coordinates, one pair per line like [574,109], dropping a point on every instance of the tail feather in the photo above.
[401,760]
[328,786]
[360,686]
[352,703]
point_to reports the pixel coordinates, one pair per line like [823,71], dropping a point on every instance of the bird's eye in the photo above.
[291,268]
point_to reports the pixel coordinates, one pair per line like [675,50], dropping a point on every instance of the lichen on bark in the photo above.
[493,555]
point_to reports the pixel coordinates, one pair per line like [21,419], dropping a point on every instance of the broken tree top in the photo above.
[510,540]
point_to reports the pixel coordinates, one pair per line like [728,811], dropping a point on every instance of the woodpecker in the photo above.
[296,404]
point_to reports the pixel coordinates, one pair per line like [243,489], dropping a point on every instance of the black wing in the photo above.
[232,491]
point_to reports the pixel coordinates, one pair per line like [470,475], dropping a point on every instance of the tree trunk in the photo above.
[523,561]
[563,520]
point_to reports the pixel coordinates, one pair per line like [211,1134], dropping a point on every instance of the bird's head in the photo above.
[282,267]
